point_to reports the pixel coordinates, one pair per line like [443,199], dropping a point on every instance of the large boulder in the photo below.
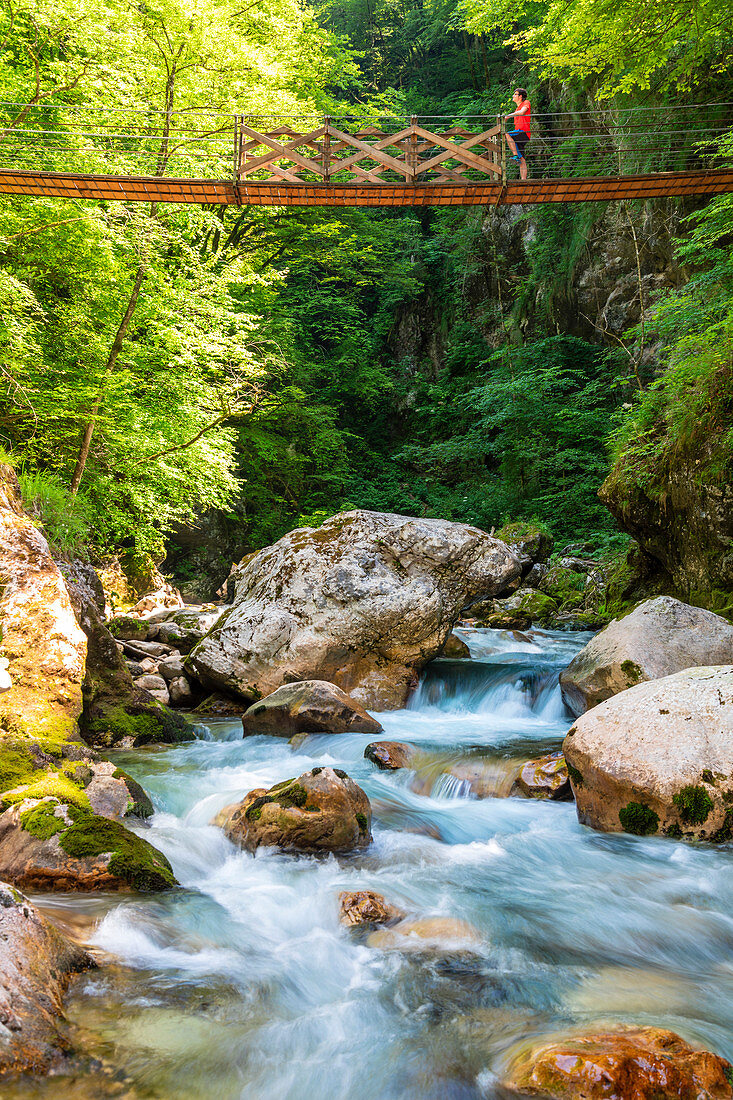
[311,706]
[36,965]
[643,1063]
[390,755]
[321,811]
[364,602]
[658,758]
[49,844]
[41,639]
[660,637]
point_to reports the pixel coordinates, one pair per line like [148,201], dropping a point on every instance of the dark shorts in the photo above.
[521,137]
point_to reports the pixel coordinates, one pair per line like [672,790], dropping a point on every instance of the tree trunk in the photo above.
[110,366]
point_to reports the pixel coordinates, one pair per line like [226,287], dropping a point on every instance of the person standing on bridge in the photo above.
[517,139]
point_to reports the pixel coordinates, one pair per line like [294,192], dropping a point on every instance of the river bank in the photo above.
[244,983]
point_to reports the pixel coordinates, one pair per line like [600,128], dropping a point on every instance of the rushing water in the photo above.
[243,984]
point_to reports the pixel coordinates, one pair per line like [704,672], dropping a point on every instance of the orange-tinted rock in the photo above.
[308,706]
[455,648]
[643,1063]
[360,907]
[546,777]
[322,810]
[389,755]
[36,963]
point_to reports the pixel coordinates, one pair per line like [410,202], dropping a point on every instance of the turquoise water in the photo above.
[243,983]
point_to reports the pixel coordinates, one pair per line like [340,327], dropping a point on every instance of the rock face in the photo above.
[643,1063]
[321,811]
[360,908]
[40,636]
[658,758]
[546,777]
[660,637]
[36,964]
[117,711]
[364,602]
[683,517]
[390,755]
[456,649]
[311,706]
[47,844]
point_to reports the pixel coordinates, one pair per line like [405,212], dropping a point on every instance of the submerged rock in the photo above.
[308,706]
[660,637]
[643,1063]
[658,758]
[546,777]
[322,810]
[358,908]
[456,649]
[363,602]
[36,964]
[427,934]
[390,755]
[49,844]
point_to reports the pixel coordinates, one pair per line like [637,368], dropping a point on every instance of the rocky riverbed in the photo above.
[366,867]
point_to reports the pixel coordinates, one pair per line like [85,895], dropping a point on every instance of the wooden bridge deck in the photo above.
[285,193]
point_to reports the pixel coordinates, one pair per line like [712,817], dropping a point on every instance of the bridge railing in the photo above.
[360,148]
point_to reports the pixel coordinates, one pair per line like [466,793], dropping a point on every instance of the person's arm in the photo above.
[522,110]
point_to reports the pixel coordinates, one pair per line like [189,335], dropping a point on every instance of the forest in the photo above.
[182,385]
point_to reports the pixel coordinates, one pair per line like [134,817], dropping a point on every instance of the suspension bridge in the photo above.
[205,157]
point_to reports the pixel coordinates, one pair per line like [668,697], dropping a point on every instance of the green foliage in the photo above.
[67,521]
[694,804]
[638,819]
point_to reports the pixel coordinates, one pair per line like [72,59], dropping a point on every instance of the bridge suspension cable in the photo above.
[360,158]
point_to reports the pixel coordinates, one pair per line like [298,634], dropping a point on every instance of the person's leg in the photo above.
[511,143]
[523,169]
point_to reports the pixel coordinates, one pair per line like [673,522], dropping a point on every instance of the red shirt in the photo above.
[521,122]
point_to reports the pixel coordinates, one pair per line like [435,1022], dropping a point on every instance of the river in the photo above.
[244,985]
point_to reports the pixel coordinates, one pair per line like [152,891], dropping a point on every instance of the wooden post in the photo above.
[327,149]
[412,156]
[501,121]
[237,148]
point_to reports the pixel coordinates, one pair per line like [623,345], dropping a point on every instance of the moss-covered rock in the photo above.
[532,542]
[116,711]
[322,810]
[526,607]
[128,628]
[50,844]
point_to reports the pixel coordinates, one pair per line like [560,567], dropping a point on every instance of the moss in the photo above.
[694,804]
[725,832]
[728,1074]
[42,821]
[128,628]
[632,672]
[575,775]
[708,777]
[132,859]
[362,822]
[341,774]
[254,810]
[48,784]
[16,766]
[154,725]
[673,830]
[294,795]
[639,819]
[254,813]
[139,805]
